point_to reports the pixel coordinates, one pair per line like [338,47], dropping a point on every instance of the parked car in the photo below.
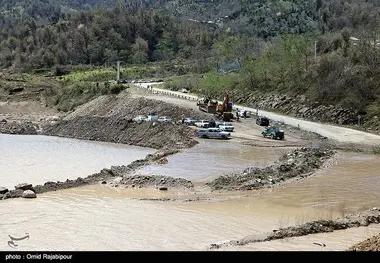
[164,119]
[184,91]
[202,124]
[247,113]
[262,121]
[273,133]
[153,116]
[189,121]
[213,133]
[226,126]
[140,118]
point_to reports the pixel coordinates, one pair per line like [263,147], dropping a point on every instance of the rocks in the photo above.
[299,106]
[24,186]
[162,161]
[16,89]
[29,194]
[295,165]
[22,190]
[157,181]
[18,127]
[3,190]
[370,244]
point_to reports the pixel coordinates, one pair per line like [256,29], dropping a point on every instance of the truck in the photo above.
[273,133]
[215,133]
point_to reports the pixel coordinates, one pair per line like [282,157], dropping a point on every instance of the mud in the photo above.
[298,164]
[320,226]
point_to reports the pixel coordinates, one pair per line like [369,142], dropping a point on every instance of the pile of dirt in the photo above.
[120,130]
[320,226]
[295,165]
[370,244]
[126,105]
[18,127]
[109,118]
[156,181]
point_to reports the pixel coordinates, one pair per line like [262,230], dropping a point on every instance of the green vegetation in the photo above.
[71,96]
[326,50]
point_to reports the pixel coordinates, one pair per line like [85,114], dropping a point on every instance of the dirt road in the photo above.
[336,133]
[246,130]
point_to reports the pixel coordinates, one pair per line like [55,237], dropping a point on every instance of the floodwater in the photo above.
[100,218]
[210,159]
[38,159]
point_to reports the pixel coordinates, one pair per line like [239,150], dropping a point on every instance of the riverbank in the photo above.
[365,218]
[295,165]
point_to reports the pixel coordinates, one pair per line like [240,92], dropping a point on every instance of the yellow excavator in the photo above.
[224,110]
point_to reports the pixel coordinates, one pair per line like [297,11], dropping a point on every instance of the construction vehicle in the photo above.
[207,105]
[224,110]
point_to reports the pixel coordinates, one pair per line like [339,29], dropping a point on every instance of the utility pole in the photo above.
[118,71]
[315,50]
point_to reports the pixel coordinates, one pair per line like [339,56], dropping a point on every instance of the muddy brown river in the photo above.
[100,218]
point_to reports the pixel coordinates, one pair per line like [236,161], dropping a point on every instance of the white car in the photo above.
[214,133]
[184,91]
[202,124]
[140,118]
[164,119]
[226,126]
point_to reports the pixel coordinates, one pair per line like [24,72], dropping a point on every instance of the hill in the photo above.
[325,50]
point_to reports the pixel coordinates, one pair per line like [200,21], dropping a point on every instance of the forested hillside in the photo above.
[327,50]
[37,34]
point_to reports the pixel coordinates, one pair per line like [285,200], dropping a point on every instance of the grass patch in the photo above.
[127,72]
[212,84]
[189,82]
[70,97]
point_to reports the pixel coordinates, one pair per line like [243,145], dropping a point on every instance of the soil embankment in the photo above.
[320,226]
[121,130]
[109,119]
[295,165]
[370,244]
